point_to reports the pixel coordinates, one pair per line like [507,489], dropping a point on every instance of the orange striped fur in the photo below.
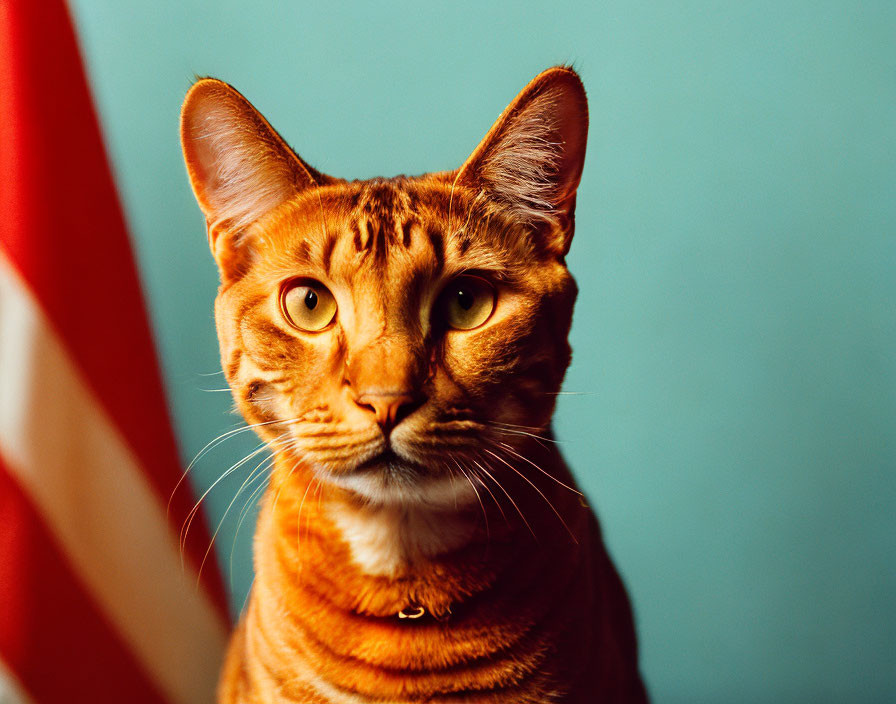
[421,539]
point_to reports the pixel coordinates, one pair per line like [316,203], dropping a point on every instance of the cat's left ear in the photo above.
[531,160]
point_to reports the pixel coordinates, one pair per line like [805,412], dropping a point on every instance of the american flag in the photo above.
[98,603]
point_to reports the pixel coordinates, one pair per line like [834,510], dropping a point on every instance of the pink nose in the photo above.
[388,407]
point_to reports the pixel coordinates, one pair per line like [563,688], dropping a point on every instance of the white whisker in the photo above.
[226,511]
[508,448]
[540,493]
[214,443]
[188,522]
[488,533]
[509,497]
[247,505]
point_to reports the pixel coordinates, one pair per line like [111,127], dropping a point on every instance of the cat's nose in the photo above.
[389,407]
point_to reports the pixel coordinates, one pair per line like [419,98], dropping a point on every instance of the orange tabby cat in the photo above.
[399,343]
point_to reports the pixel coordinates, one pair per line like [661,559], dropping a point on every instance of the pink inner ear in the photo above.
[204,118]
[204,149]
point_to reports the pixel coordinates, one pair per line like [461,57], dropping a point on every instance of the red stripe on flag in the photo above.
[52,636]
[62,228]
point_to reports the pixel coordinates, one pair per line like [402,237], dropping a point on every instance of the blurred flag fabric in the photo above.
[98,603]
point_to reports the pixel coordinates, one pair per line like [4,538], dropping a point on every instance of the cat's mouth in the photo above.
[389,478]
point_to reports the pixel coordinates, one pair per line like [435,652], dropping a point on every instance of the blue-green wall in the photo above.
[736,251]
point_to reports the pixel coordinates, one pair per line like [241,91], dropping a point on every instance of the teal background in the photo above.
[735,334]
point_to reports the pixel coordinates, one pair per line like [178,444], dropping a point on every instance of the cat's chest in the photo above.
[383,541]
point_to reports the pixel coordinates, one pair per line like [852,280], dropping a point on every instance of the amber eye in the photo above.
[467,302]
[308,305]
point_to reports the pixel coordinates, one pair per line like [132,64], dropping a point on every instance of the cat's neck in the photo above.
[309,528]
[456,520]
[332,572]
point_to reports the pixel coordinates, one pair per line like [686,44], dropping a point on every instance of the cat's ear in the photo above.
[531,160]
[239,167]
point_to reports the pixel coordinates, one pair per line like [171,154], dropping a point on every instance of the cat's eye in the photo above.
[308,305]
[467,302]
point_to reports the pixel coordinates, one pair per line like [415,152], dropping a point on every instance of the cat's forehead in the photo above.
[388,223]
[394,229]
[386,198]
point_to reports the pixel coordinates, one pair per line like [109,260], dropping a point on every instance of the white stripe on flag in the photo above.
[89,487]
[11,691]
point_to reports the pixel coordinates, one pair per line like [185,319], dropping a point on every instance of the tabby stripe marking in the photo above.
[464,243]
[382,235]
[437,240]
[327,253]
[271,331]
[406,232]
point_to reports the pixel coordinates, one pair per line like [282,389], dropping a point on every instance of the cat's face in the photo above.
[393,334]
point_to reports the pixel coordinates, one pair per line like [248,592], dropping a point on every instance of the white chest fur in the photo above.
[386,537]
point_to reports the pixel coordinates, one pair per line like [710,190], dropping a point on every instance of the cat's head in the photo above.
[392,334]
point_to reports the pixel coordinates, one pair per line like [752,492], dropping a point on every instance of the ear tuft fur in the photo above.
[532,158]
[239,167]
[524,163]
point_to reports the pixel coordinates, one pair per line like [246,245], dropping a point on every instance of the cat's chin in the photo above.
[396,468]
[389,479]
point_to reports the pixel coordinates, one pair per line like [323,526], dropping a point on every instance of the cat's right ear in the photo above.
[238,165]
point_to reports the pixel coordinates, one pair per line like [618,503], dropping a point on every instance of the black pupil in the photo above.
[465,298]
[311,300]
